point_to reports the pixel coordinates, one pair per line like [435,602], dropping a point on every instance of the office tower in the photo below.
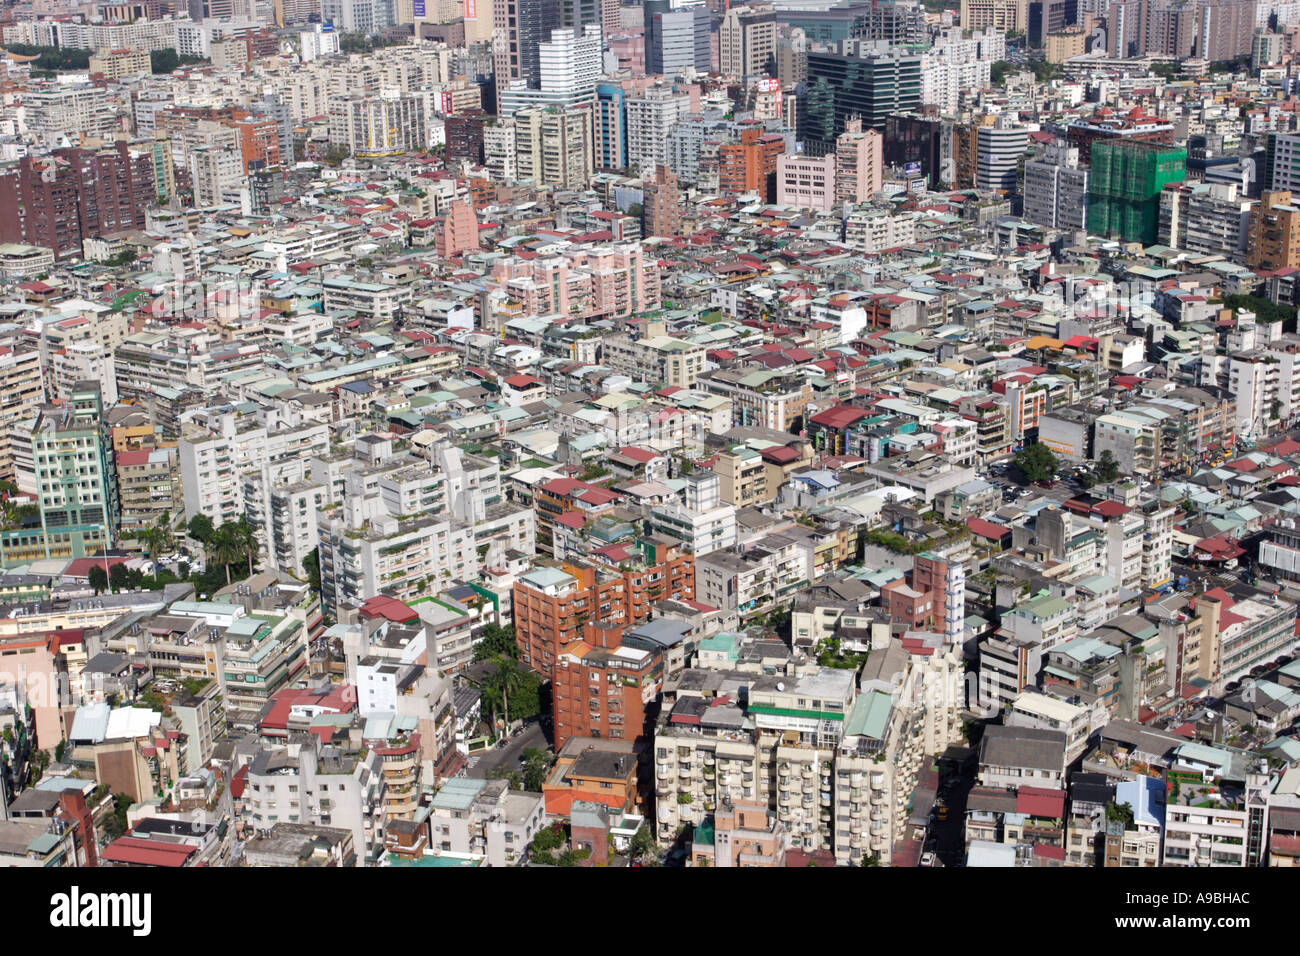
[999,149]
[747,42]
[1045,16]
[859,163]
[1124,187]
[999,14]
[519,26]
[611,127]
[660,213]
[676,40]
[569,67]
[909,138]
[864,80]
[1056,189]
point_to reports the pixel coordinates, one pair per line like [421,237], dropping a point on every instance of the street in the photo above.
[509,755]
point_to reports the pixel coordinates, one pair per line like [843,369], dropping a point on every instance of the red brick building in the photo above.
[750,165]
[601,688]
[617,586]
[59,200]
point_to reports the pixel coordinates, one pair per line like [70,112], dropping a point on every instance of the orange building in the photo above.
[551,604]
[594,770]
[600,688]
[1274,232]
[259,143]
[750,165]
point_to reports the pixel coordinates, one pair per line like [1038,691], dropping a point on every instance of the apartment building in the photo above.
[21,391]
[552,604]
[660,358]
[602,688]
[485,820]
[312,782]
[216,450]
[1204,836]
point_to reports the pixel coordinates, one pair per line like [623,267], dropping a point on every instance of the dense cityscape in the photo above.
[478,433]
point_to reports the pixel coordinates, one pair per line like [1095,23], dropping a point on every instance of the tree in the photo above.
[311,567]
[537,765]
[1107,466]
[246,536]
[495,641]
[98,579]
[115,824]
[60,750]
[336,154]
[1036,462]
[226,547]
[999,71]
[200,528]
[547,840]
[119,577]
[643,846]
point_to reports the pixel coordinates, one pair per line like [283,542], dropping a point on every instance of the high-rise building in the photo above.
[999,149]
[20,384]
[376,126]
[747,42]
[676,40]
[1274,232]
[555,147]
[611,127]
[662,216]
[791,57]
[499,151]
[1002,15]
[1226,29]
[1206,218]
[569,68]
[1056,190]
[859,163]
[1124,187]
[519,26]
[75,478]
[57,201]
[464,132]
[458,232]
[750,165]
[863,80]
[649,118]
[916,139]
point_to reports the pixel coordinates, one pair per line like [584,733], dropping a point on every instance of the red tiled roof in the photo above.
[388,608]
[1040,802]
[571,519]
[987,529]
[80,567]
[841,416]
[141,852]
